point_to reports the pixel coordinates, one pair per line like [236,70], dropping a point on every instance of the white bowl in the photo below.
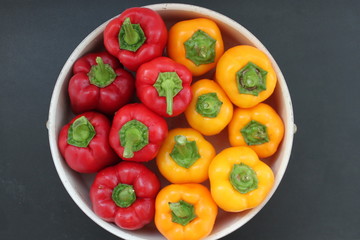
[78,185]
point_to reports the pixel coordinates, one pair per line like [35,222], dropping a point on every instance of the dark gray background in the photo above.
[317,46]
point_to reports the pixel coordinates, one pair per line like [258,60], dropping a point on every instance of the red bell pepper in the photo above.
[125,194]
[163,85]
[99,83]
[83,143]
[137,133]
[136,36]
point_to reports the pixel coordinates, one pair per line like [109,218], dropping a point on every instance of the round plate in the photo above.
[78,185]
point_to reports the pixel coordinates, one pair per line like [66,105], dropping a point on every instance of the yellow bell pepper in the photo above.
[260,128]
[246,75]
[185,156]
[185,211]
[239,180]
[210,110]
[195,43]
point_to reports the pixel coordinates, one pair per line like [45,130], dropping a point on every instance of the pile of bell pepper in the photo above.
[121,97]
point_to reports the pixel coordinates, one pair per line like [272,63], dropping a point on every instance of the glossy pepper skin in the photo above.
[95,153]
[254,179]
[164,86]
[210,110]
[203,211]
[154,32]
[87,93]
[194,160]
[247,64]
[263,114]
[206,52]
[125,194]
[142,131]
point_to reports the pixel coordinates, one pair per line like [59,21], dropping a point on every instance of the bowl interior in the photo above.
[78,185]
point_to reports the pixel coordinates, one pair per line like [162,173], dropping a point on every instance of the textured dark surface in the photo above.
[315,44]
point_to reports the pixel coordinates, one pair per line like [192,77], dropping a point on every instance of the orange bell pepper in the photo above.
[185,156]
[195,43]
[260,128]
[185,211]
[210,110]
[239,180]
[246,75]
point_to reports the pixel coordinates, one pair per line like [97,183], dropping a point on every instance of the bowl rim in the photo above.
[51,124]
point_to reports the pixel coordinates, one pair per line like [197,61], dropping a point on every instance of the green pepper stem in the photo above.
[168,85]
[133,135]
[182,212]
[185,153]
[208,105]
[131,35]
[179,210]
[81,132]
[251,79]
[101,75]
[255,133]
[123,195]
[181,147]
[243,178]
[100,63]
[200,48]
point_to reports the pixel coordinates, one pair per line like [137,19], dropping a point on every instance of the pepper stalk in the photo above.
[168,84]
